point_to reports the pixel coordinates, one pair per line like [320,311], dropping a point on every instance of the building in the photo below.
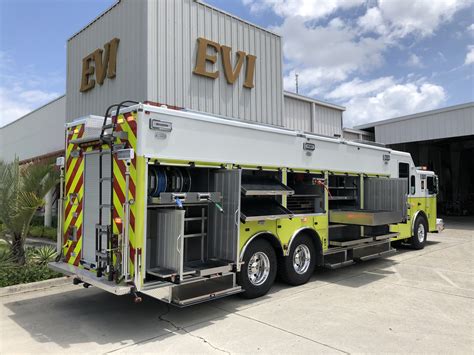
[443,141]
[180,53]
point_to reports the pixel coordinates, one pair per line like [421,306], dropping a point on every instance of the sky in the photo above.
[378,58]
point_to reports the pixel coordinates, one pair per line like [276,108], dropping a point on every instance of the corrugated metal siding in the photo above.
[126,21]
[173,29]
[298,114]
[38,133]
[350,136]
[446,124]
[327,121]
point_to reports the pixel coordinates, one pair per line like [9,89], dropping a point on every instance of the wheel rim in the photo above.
[258,268]
[301,259]
[421,233]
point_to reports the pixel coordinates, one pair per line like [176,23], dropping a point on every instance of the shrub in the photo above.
[24,274]
[43,232]
[43,255]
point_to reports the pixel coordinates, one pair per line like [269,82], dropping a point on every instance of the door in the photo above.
[223,227]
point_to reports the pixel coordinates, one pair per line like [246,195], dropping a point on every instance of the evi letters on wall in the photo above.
[208,52]
[99,64]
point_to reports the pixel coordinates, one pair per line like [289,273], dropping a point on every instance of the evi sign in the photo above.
[208,52]
[99,65]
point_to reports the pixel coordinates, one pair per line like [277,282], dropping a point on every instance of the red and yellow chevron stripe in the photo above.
[74,190]
[74,186]
[126,123]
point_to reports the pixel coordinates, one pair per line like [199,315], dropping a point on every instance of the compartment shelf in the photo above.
[255,209]
[263,186]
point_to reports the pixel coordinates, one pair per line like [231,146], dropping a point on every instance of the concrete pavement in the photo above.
[415,301]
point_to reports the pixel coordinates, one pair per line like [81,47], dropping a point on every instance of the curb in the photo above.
[34,286]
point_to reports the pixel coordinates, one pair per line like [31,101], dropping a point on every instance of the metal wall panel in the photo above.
[327,121]
[126,21]
[173,29]
[38,133]
[436,125]
[304,115]
[297,114]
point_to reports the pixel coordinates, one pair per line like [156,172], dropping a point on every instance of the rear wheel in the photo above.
[419,233]
[297,268]
[259,270]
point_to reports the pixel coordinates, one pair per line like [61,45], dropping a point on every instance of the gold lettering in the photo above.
[249,76]
[87,72]
[232,74]
[203,57]
[112,66]
[105,65]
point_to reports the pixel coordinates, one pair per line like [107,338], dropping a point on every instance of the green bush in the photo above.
[27,273]
[35,268]
[43,232]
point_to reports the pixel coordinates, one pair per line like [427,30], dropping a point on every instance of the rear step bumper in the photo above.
[193,291]
[90,278]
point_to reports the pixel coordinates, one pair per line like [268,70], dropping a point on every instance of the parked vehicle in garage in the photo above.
[187,207]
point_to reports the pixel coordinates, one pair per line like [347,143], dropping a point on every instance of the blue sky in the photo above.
[379,58]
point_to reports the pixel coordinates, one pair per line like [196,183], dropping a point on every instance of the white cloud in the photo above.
[420,17]
[303,8]
[358,87]
[393,101]
[414,61]
[469,56]
[470,29]
[21,90]
[326,55]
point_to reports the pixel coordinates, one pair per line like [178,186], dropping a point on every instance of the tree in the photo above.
[22,189]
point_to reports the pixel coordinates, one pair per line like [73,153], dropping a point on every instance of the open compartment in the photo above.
[192,225]
[309,193]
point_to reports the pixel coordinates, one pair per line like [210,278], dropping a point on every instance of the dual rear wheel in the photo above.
[261,265]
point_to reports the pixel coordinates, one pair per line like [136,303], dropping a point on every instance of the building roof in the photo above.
[414,116]
[448,122]
[35,110]
[310,99]
[198,1]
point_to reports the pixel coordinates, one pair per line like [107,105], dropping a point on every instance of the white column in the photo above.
[48,208]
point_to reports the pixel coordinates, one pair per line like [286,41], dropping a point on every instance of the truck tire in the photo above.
[259,269]
[298,267]
[420,232]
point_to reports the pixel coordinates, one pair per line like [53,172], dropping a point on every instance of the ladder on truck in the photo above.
[104,253]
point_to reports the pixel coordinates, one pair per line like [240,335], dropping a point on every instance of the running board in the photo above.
[335,258]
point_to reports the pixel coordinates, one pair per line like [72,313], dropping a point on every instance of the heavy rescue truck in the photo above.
[186,207]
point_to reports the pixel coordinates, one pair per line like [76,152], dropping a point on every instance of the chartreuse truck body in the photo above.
[188,207]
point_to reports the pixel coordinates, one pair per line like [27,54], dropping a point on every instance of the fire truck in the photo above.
[187,207]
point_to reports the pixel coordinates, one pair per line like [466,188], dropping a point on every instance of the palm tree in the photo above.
[22,189]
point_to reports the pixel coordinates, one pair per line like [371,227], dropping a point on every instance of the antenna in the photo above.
[296,81]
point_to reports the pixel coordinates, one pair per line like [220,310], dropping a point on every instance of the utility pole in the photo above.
[296,80]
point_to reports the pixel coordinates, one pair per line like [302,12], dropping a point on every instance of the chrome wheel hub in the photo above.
[258,268]
[301,259]
[421,233]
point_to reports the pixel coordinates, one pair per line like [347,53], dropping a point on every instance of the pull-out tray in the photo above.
[169,198]
[260,186]
[257,209]
[364,217]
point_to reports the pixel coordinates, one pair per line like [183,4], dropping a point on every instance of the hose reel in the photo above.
[168,179]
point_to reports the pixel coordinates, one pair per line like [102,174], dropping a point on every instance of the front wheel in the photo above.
[419,233]
[259,270]
[298,267]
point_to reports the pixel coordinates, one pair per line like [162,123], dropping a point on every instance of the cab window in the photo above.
[412,185]
[431,185]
